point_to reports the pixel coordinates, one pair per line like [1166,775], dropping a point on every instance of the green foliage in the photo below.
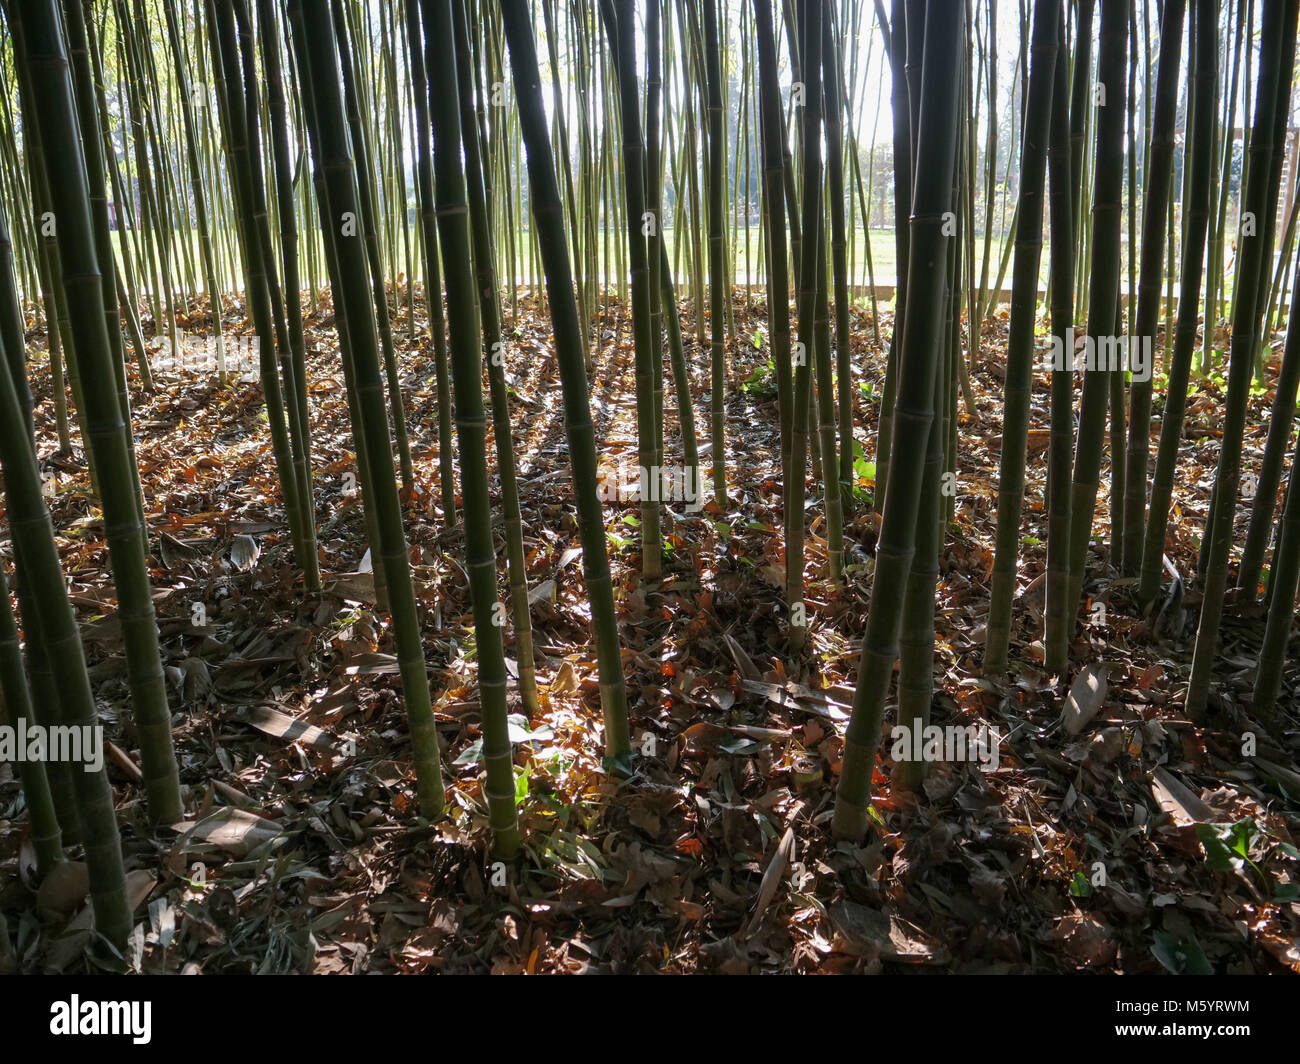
[1181,956]
[520,732]
[1229,848]
[761,384]
[864,473]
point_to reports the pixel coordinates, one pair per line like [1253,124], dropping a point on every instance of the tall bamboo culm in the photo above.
[936,139]
[39,46]
[548,216]
[339,216]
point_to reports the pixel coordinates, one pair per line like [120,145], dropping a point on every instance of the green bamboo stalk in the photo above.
[237,102]
[155,228]
[1221,180]
[654,220]
[826,414]
[341,209]
[369,220]
[125,213]
[1281,124]
[471,428]
[432,269]
[811,36]
[54,298]
[195,98]
[901,108]
[1020,336]
[40,47]
[1058,609]
[73,703]
[1283,578]
[1103,287]
[78,47]
[1155,201]
[1178,362]
[991,160]
[681,378]
[840,267]
[302,515]
[294,360]
[15,712]
[778,288]
[621,31]
[916,630]
[1281,415]
[484,263]
[1277,58]
[58,774]
[719,281]
[333,274]
[548,216]
[1080,105]
[914,412]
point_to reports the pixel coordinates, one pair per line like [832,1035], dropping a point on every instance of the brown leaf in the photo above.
[772,877]
[282,726]
[64,888]
[234,830]
[1087,694]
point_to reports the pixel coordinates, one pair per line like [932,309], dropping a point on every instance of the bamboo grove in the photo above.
[659,163]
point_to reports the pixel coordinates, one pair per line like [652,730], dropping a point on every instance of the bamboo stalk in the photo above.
[913,415]
[548,216]
[1275,73]
[40,48]
[310,19]
[1020,337]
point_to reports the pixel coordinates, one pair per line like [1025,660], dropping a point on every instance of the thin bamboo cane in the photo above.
[621,31]
[901,108]
[811,35]
[1020,337]
[1058,609]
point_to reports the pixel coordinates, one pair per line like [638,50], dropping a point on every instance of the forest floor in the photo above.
[1141,844]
